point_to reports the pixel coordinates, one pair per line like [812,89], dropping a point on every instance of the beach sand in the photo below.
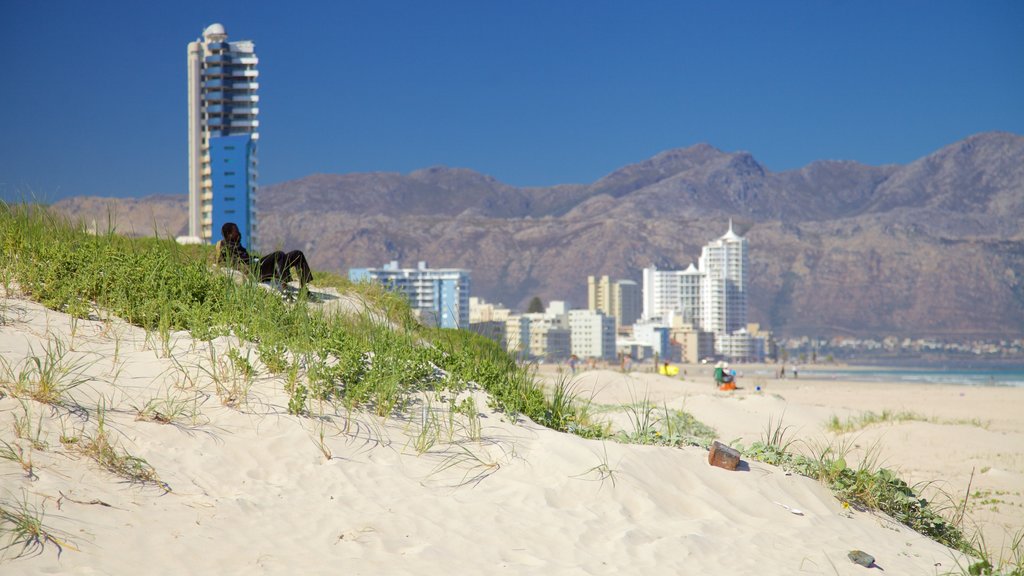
[246,488]
[941,438]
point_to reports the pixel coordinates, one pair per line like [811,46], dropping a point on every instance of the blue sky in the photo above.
[93,98]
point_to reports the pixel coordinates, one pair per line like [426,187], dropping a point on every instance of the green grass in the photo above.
[21,524]
[865,485]
[101,447]
[374,361]
[869,418]
[48,377]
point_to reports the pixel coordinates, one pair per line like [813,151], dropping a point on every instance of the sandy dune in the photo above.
[253,490]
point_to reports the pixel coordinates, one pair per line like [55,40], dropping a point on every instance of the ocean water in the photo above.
[993,377]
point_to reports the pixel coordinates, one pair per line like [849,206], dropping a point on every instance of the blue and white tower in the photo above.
[223,130]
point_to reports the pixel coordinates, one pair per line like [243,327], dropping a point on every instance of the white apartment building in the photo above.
[724,285]
[592,334]
[517,335]
[482,311]
[712,297]
[671,294]
[549,336]
[660,293]
[439,296]
[654,334]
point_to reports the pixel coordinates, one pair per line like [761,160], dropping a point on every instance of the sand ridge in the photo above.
[256,490]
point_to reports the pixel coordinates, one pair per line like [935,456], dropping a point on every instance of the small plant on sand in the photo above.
[643,419]
[241,364]
[427,429]
[774,444]
[566,411]
[603,471]
[680,428]
[476,466]
[48,378]
[104,450]
[27,429]
[467,408]
[172,408]
[231,375]
[320,439]
[15,453]
[22,525]
[274,357]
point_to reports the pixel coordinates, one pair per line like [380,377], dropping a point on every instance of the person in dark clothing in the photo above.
[276,265]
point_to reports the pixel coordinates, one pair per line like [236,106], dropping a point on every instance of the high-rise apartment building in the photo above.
[661,293]
[592,334]
[711,297]
[223,130]
[620,298]
[438,296]
[724,284]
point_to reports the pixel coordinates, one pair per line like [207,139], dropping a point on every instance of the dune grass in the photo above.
[373,361]
[104,449]
[869,418]
[866,485]
[21,524]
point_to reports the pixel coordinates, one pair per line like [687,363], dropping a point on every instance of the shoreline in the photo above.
[901,375]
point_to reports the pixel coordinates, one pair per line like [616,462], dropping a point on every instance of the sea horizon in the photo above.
[962,376]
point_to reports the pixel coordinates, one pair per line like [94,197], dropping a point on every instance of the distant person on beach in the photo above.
[722,374]
[274,266]
[573,360]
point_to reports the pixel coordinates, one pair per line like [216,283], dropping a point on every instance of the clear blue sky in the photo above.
[93,98]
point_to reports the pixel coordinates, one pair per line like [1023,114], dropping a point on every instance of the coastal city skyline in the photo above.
[536,95]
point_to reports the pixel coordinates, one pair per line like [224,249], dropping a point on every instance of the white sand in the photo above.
[252,492]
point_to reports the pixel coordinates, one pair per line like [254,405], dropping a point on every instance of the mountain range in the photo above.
[933,248]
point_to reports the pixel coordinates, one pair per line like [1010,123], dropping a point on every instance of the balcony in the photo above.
[229,58]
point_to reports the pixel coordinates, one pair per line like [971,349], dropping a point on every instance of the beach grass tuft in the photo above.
[865,485]
[869,418]
[103,448]
[22,525]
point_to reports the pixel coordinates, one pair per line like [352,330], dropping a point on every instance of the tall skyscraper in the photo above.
[724,284]
[711,298]
[222,133]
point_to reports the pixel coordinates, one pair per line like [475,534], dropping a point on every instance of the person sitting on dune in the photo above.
[274,266]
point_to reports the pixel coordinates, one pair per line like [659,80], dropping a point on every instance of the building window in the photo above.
[229,173]
[229,185]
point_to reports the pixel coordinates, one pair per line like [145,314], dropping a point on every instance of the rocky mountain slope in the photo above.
[932,248]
